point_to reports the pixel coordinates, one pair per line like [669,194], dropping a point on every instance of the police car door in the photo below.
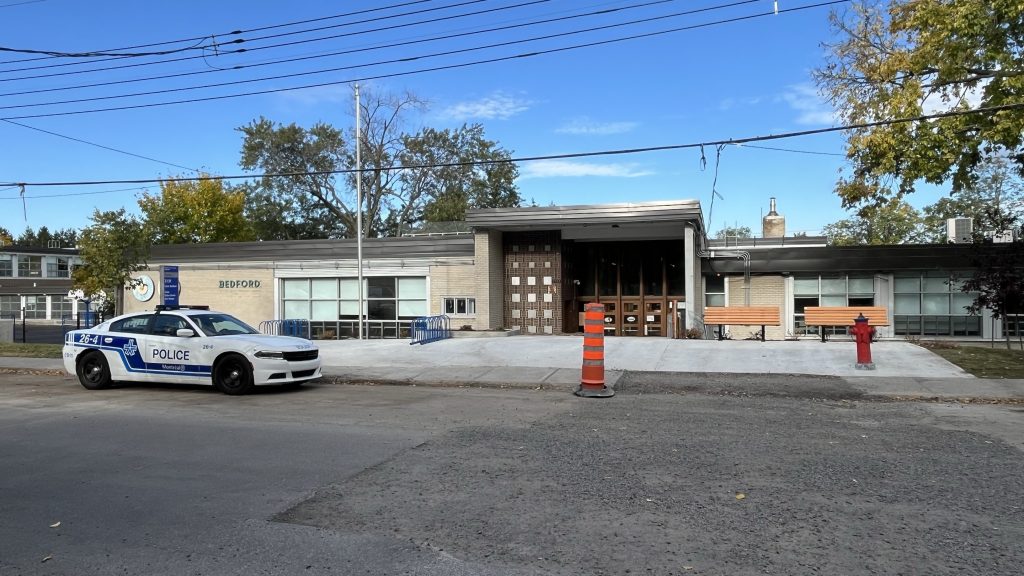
[169,357]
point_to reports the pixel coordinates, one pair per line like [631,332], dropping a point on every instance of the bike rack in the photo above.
[426,329]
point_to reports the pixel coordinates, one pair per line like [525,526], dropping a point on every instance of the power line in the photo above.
[378,63]
[374,48]
[70,194]
[21,3]
[118,55]
[231,33]
[99,145]
[432,69]
[245,49]
[791,150]
[618,152]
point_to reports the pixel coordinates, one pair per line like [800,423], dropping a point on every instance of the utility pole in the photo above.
[359,213]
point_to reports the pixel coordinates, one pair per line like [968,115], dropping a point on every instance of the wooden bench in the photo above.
[742,316]
[843,316]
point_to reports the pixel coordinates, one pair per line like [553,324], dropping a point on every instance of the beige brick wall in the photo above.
[764,291]
[489,279]
[211,288]
[453,281]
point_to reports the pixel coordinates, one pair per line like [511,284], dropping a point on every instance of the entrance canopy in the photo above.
[662,220]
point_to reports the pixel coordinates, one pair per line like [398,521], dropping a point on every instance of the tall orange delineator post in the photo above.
[592,378]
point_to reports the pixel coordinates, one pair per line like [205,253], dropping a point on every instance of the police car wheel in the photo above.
[93,371]
[232,375]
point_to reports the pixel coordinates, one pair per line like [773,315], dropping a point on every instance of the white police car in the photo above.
[187,345]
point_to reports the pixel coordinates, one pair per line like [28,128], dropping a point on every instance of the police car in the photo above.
[187,344]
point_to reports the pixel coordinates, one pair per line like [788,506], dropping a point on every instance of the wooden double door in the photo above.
[640,284]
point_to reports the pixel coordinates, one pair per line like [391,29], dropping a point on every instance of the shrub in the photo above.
[694,333]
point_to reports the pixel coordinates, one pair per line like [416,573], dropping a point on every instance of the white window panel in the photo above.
[412,288]
[325,310]
[298,289]
[412,307]
[296,310]
[324,288]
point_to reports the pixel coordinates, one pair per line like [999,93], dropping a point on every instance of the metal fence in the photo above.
[430,329]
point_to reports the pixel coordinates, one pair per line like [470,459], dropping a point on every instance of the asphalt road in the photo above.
[437,481]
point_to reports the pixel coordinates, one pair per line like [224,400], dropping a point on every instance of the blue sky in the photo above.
[730,80]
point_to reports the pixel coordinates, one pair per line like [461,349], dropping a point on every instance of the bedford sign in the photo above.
[239,284]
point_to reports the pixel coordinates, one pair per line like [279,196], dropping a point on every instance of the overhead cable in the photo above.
[233,32]
[618,152]
[431,69]
[370,48]
[369,64]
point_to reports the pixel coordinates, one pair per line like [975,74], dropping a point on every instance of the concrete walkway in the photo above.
[901,369]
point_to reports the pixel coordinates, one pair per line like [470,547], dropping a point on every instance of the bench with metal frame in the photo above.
[825,316]
[742,316]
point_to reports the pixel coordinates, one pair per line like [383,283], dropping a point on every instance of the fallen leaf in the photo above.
[740,496]
[46,558]
[55,524]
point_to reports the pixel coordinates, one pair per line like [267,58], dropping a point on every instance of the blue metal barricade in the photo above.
[428,329]
[287,327]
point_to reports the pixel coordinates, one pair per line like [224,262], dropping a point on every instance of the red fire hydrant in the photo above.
[863,333]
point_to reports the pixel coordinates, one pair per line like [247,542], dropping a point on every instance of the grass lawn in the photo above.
[985,362]
[30,350]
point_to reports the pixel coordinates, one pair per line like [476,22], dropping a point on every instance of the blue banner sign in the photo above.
[171,286]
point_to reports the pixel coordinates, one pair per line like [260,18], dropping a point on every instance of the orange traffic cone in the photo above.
[592,379]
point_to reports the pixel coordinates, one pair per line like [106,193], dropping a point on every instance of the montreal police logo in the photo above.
[130,348]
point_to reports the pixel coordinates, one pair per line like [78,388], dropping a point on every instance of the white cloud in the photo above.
[498,105]
[588,127]
[570,169]
[811,108]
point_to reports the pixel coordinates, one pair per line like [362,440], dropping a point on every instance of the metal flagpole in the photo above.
[359,213]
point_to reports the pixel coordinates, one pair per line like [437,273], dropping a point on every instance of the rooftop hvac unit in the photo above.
[959,230]
[1002,237]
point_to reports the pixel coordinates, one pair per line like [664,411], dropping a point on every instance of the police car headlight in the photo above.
[270,355]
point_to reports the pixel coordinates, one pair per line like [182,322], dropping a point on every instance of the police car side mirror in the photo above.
[184,333]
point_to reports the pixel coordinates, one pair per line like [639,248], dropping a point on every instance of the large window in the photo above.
[35,307]
[59,269]
[811,291]
[332,305]
[30,266]
[6,266]
[10,306]
[61,307]
[932,304]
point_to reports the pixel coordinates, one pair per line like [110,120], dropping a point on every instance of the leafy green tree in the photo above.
[28,238]
[301,206]
[894,222]
[997,194]
[304,196]
[113,247]
[195,211]
[998,270]
[444,193]
[66,237]
[915,57]
[734,232]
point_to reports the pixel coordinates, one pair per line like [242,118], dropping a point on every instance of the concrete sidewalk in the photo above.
[902,369]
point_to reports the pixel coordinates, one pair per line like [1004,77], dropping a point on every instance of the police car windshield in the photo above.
[221,325]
